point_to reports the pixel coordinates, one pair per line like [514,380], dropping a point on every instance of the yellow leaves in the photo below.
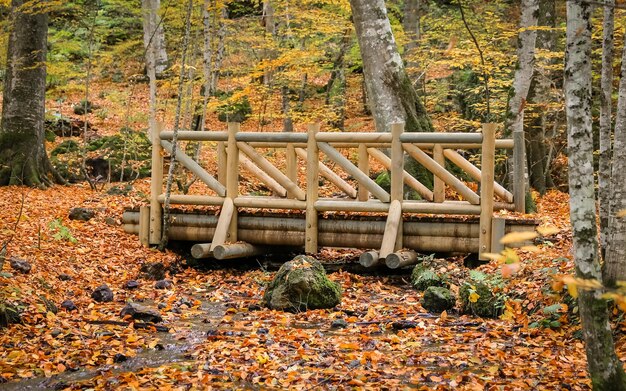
[473,297]
[547,230]
[517,237]
[574,283]
[262,357]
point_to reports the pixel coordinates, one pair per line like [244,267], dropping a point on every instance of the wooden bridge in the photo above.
[366,216]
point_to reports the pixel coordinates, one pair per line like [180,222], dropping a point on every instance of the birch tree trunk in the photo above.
[605,369]
[615,262]
[154,38]
[23,159]
[521,84]
[606,91]
[390,93]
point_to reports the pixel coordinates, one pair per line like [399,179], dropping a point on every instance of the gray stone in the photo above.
[339,324]
[302,284]
[438,299]
[82,214]
[163,284]
[20,265]
[68,305]
[65,277]
[132,284]
[102,294]
[140,312]
[152,271]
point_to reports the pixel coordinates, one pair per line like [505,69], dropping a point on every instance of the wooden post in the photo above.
[312,184]
[156,186]
[221,162]
[519,180]
[392,229]
[498,229]
[292,167]
[439,186]
[144,225]
[486,189]
[397,179]
[364,166]
[223,223]
[232,177]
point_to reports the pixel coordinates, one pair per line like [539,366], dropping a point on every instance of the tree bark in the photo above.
[605,369]
[23,159]
[390,93]
[156,39]
[615,262]
[606,102]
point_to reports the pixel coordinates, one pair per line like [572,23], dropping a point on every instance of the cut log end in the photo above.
[401,258]
[201,250]
[369,259]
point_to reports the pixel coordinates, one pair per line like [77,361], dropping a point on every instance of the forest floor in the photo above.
[220,337]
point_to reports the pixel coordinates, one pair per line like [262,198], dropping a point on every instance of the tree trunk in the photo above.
[156,39]
[540,95]
[23,159]
[390,93]
[605,369]
[606,87]
[523,76]
[411,23]
[615,262]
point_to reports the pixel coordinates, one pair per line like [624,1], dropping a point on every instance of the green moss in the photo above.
[438,299]
[66,146]
[488,304]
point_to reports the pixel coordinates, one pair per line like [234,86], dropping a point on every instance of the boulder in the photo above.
[140,312]
[423,277]
[102,294]
[302,284]
[438,299]
[20,265]
[82,214]
[478,298]
[131,284]
[163,284]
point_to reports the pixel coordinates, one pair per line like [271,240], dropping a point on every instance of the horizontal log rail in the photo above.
[245,152]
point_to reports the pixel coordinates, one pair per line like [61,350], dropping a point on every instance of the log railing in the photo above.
[236,150]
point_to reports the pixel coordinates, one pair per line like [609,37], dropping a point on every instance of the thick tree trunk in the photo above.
[154,38]
[411,23]
[606,87]
[523,76]
[615,263]
[604,367]
[540,95]
[23,159]
[390,93]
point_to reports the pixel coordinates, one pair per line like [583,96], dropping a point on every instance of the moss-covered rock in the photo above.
[438,299]
[423,277]
[481,298]
[9,314]
[302,284]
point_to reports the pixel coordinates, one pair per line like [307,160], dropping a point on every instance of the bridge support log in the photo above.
[486,189]
[401,258]
[237,250]
[201,250]
[223,223]
[156,187]
[312,188]
[369,259]
[392,228]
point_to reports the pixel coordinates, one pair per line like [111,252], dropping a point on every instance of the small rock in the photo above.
[140,312]
[262,330]
[102,294]
[132,284]
[161,306]
[153,271]
[68,305]
[82,214]
[339,324]
[403,324]
[65,277]
[163,284]
[119,357]
[56,332]
[110,221]
[20,265]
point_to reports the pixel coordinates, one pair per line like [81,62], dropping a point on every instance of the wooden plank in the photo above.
[192,199]
[519,177]
[353,170]
[267,180]
[221,162]
[409,180]
[486,188]
[390,236]
[334,205]
[144,225]
[353,137]
[192,135]
[196,169]
[498,228]
[442,173]
[397,181]
[156,187]
[439,186]
[272,171]
[292,166]
[474,172]
[271,137]
[330,175]
[269,203]
[223,223]
[312,188]
[500,144]
[401,258]
[232,176]
[447,207]
[364,166]
[438,138]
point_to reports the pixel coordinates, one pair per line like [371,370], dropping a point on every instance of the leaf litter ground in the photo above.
[221,338]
